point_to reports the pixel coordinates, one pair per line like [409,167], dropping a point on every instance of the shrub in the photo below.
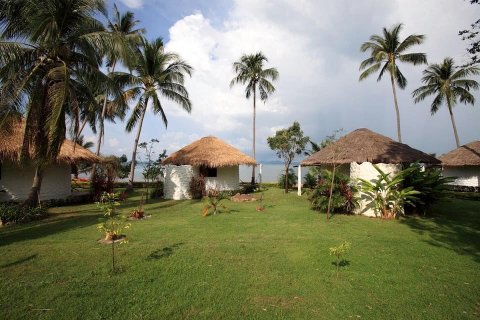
[212,202]
[197,187]
[429,183]
[310,180]
[291,179]
[387,194]
[344,197]
[11,212]
[157,192]
[103,179]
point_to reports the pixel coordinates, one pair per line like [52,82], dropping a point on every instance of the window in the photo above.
[208,172]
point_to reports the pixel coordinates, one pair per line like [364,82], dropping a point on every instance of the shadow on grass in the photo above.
[164,252]
[454,225]
[19,261]
[341,264]
[43,228]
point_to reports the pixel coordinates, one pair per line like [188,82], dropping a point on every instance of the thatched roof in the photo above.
[363,145]
[466,155]
[210,152]
[11,143]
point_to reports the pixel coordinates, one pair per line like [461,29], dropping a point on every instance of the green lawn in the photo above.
[244,264]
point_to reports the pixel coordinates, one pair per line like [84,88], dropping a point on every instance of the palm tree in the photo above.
[80,140]
[387,50]
[155,73]
[123,25]
[449,84]
[45,48]
[249,70]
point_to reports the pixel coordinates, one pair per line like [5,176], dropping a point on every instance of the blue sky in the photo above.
[315,47]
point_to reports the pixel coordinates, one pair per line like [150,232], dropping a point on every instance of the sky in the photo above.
[315,46]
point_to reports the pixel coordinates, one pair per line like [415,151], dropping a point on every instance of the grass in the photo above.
[244,264]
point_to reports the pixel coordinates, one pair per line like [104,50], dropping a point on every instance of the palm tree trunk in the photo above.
[399,134]
[254,116]
[457,141]
[134,153]
[33,199]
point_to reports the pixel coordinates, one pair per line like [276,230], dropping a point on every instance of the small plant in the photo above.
[310,180]
[291,179]
[212,202]
[197,187]
[113,224]
[387,194]
[137,214]
[338,252]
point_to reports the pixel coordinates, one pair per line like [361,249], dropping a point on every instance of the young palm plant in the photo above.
[155,74]
[45,47]
[449,84]
[250,71]
[387,51]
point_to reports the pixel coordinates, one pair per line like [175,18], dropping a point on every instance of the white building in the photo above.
[357,152]
[16,178]
[210,157]
[463,163]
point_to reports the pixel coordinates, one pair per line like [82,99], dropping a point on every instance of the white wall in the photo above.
[16,181]
[468,176]
[368,172]
[227,179]
[177,180]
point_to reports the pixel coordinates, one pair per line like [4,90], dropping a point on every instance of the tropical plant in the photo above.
[82,167]
[338,252]
[288,143]
[152,169]
[291,179]
[197,187]
[250,70]
[212,202]
[387,194]
[341,195]
[155,74]
[448,84]
[310,180]
[388,50]
[47,48]
[430,184]
[113,223]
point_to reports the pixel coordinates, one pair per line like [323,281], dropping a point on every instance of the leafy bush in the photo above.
[212,202]
[344,198]
[291,179]
[310,180]
[388,195]
[157,192]
[103,179]
[11,212]
[197,187]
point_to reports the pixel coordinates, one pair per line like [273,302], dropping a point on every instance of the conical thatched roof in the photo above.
[10,147]
[466,155]
[363,145]
[210,152]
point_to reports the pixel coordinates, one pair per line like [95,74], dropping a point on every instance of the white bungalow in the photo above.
[16,179]
[210,157]
[356,152]
[463,163]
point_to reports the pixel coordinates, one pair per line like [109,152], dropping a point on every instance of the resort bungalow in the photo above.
[463,163]
[356,152]
[210,157]
[16,179]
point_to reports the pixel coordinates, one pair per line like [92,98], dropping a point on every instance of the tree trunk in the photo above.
[397,111]
[457,141]
[331,191]
[254,116]
[134,153]
[34,195]
[286,179]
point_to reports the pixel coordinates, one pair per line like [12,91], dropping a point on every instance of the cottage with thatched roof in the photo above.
[356,152]
[210,157]
[16,178]
[463,163]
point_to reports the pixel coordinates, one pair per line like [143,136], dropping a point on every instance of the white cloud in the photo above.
[134,4]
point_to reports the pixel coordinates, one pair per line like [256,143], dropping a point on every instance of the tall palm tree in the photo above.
[250,70]
[386,51]
[123,25]
[45,48]
[155,74]
[449,84]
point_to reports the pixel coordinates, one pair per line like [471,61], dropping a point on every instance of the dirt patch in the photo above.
[244,198]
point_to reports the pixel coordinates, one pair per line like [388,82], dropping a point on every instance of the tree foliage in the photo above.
[288,143]
[473,39]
